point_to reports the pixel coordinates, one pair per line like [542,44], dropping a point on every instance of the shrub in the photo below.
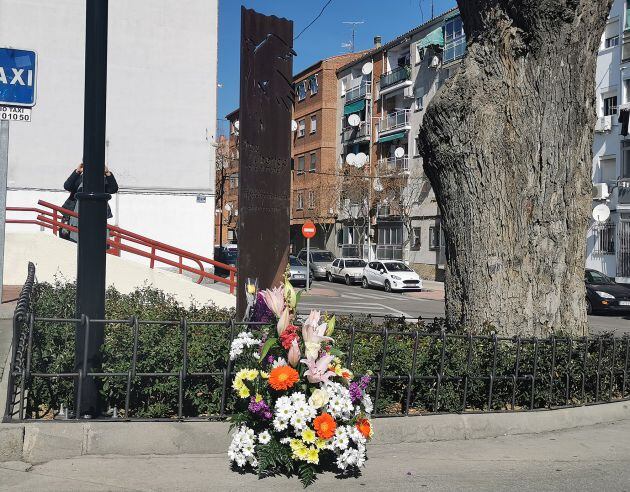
[453,371]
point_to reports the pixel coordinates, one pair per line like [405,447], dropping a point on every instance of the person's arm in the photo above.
[111,186]
[72,183]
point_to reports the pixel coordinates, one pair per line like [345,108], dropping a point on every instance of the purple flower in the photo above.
[364,382]
[259,408]
[355,392]
[262,313]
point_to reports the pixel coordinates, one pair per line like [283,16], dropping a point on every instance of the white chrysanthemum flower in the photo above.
[242,340]
[298,422]
[280,425]
[279,362]
[368,406]
[264,437]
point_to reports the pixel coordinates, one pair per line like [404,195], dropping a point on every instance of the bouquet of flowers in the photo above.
[298,409]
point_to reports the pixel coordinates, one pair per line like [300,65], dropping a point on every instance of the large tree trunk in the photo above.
[507,148]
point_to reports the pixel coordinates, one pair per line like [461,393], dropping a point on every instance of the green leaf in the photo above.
[336,352]
[298,296]
[268,344]
[307,474]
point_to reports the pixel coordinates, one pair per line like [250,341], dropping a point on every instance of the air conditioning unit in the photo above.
[603,124]
[409,92]
[435,62]
[600,191]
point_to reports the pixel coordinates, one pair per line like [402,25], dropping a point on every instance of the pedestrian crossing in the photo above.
[375,295]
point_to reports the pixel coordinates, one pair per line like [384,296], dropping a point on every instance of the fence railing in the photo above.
[394,76]
[49,215]
[363,90]
[394,164]
[363,130]
[418,366]
[393,121]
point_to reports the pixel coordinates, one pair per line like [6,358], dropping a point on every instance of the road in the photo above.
[342,299]
[593,458]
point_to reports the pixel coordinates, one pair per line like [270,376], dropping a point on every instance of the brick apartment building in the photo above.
[315,195]
[226,220]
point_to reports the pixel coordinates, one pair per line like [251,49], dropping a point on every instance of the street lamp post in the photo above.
[91,262]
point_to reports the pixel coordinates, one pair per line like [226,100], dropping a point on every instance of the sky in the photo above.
[385,18]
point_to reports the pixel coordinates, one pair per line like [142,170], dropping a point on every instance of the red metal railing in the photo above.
[120,239]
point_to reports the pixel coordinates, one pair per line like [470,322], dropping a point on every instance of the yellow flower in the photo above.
[241,374]
[264,374]
[252,374]
[301,454]
[244,392]
[296,445]
[238,384]
[312,455]
[308,436]
[258,397]
[320,443]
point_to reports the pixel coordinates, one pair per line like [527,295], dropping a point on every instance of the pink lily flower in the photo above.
[283,321]
[313,335]
[274,299]
[294,353]
[318,370]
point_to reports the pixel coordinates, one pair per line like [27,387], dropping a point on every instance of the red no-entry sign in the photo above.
[308,230]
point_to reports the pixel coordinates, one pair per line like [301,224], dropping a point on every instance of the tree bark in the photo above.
[507,148]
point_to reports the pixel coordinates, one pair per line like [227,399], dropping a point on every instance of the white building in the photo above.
[161,112]
[608,246]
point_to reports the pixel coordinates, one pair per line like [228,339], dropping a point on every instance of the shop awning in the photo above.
[434,38]
[393,136]
[354,107]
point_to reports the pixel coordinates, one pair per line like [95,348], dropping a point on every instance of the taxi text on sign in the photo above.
[17,77]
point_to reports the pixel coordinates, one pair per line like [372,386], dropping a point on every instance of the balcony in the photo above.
[353,133]
[361,91]
[397,78]
[399,120]
[394,164]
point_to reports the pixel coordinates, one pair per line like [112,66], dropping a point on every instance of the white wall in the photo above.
[161,114]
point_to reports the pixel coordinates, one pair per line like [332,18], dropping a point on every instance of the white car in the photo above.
[350,270]
[391,275]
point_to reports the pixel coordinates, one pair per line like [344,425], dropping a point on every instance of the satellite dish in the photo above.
[399,152]
[236,124]
[351,159]
[601,212]
[293,125]
[228,207]
[360,159]
[378,186]
[354,119]
[366,69]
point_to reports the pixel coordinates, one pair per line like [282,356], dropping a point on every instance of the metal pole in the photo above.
[4,166]
[92,209]
[308,263]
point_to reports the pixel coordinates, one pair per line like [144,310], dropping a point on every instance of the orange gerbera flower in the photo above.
[325,426]
[365,427]
[283,377]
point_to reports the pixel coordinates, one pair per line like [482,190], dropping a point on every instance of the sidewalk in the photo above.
[590,458]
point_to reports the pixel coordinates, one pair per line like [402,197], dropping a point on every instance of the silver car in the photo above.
[320,260]
[297,272]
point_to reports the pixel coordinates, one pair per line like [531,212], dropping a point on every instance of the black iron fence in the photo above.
[161,369]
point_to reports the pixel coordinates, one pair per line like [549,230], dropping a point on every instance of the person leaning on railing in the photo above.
[74,184]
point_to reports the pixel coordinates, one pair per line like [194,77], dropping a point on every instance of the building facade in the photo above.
[387,207]
[314,150]
[161,112]
[608,244]
[226,200]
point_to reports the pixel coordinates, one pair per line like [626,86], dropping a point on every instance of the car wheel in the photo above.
[330,277]
[589,306]
[388,286]
[365,284]
[348,281]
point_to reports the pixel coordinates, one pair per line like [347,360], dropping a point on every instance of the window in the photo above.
[335,263]
[454,40]
[611,35]
[612,42]
[605,238]
[416,146]
[607,169]
[416,233]
[313,123]
[301,128]
[234,181]
[300,88]
[311,199]
[314,85]
[610,106]
[313,166]
[300,168]
[435,238]
[390,235]
[418,103]
[299,201]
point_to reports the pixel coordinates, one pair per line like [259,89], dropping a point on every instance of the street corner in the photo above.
[323,292]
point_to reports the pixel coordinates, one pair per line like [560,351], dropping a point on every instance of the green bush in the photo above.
[449,366]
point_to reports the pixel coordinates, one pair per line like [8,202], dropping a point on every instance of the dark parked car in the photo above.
[603,294]
[225,255]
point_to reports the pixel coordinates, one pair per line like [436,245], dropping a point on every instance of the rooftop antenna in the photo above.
[354,25]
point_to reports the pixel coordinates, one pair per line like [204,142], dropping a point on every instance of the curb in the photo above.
[39,442]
